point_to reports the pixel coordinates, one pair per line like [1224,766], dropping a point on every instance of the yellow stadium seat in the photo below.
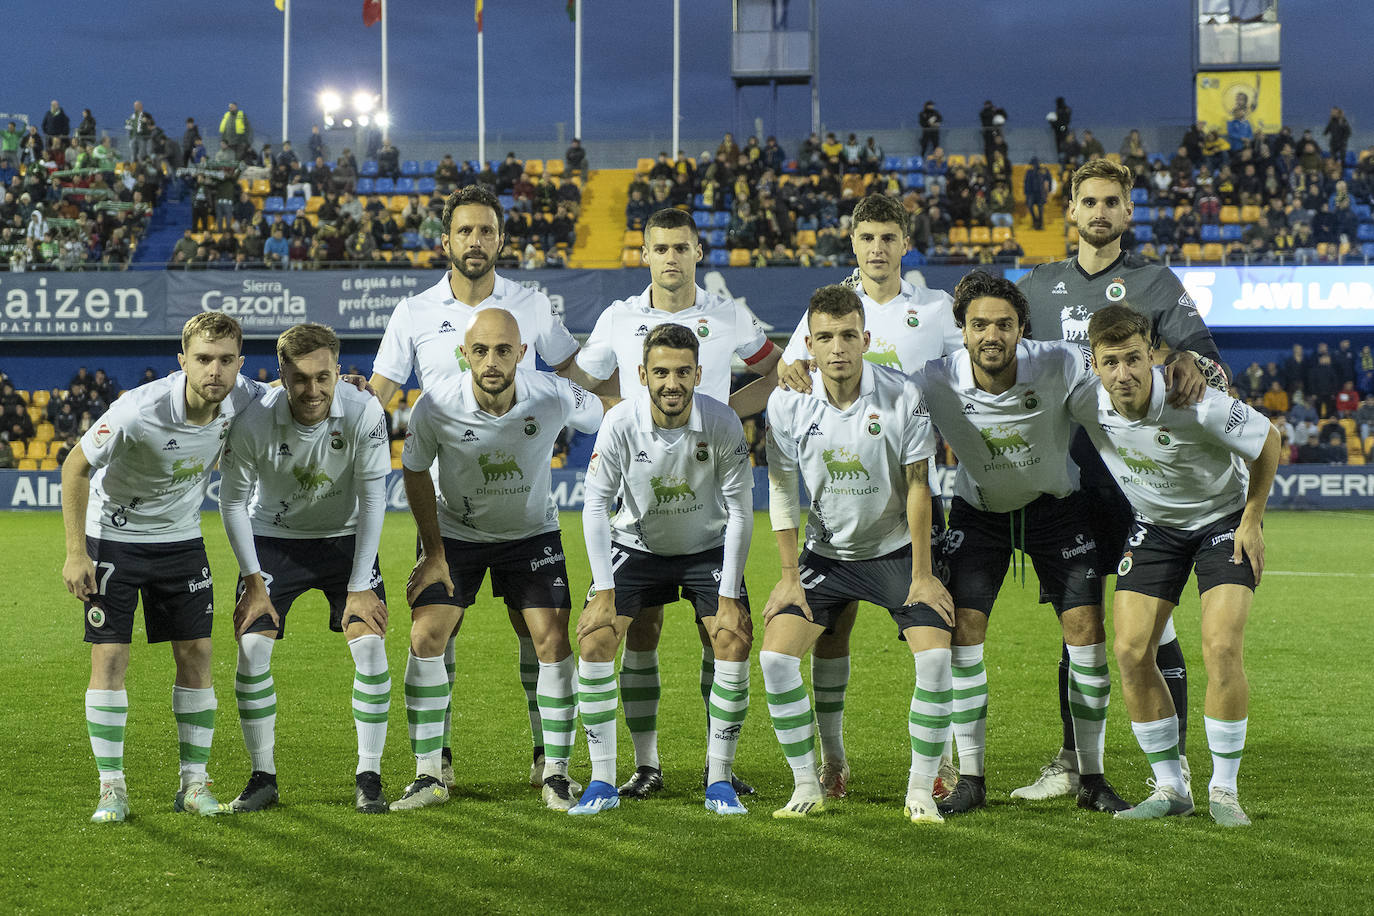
[554,168]
[1000,234]
[261,187]
[50,464]
[24,395]
[534,167]
[1230,214]
[41,397]
[396,397]
[313,205]
[1071,233]
[1213,251]
[396,203]
[631,257]
[1192,251]
[1368,443]
[1354,457]
[396,464]
[633,238]
[19,449]
[1348,424]
[741,257]
[644,166]
[45,432]
[246,185]
[412,396]
[954,159]
[27,464]
[980,235]
[1114,157]
[958,235]
[396,447]
[806,238]
[1250,213]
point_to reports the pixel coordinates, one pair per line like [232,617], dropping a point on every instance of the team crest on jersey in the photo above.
[172,446]
[284,451]
[224,429]
[446,328]
[1162,438]
[95,617]
[1125,565]
[701,453]
[912,319]
[531,426]
[703,330]
[336,439]
[1030,402]
[1116,290]
[1059,289]
[874,427]
[643,458]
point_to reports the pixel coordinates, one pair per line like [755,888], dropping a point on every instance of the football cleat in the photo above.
[368,798]
[426,791]
[1224,805]
[537,769]
[1058,777]
[1187,773]
[739,785]
[1164,801]
[805,800]
[260,793]
[921,808]
[113,806]
[970,793]
[835,777]
[1096,794]
[645,782]
[947,779]
[196,798]
[600,796]
[558,793]
[446,768]
[721,798]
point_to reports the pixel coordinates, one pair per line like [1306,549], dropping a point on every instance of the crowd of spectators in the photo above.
[39,428]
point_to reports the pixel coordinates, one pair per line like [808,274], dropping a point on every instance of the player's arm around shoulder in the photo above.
[585,411]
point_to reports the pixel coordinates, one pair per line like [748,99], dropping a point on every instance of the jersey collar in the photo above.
[442,292]
[178,400]
[867,386]
[645,301]
[1112,266]
[644,418]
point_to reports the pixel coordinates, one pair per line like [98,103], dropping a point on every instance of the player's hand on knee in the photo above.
[730,617]
[1249,547]
[795,376]
[78,573]
[249,608]
[598,614]
[368,609]
[787,593]
[428,571]
[929,590]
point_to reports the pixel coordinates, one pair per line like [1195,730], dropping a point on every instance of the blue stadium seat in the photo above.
[894,164]
[720,257]
[366,186]
[913,258]
[699,202]
[1352,159]
[722,219]
[1362,212]
[429,167]
[411,241]
[368,168]
[273,205]
[426,186]
[1162,212]
[1210,232]
[410,168]
[703,218]
[405,185]
[474,165]
[1158,157]
[386,186]
[1367,249]
[1143,215]
[1143,234]
[1140,196]
[807,222]
[915,164]
[1230,233]
[288,218]
[716,238]
[1365,233]
[295,204]
[507,201]
[915,180]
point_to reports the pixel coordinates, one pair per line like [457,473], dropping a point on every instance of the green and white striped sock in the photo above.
[107,713]
[194,710]
[1090,690]
[708,674]
[1226,741]
[728,707]
[829,681]
[970,711]
[790,709]
[371,699]
[1159,741]
[557,714]
[639,692]
[529,680]
[428,691]
[596,703]
[932,705]
[450,665]
[256,696]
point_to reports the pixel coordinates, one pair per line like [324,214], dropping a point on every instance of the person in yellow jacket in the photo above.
[235,130]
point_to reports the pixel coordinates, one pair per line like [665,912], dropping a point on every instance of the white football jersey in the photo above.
[494,474]
[1180,467]
[672,484]
[915,326]
[152,468]
[306,477]
[853,460]
[426,329]
[1012,447]
[724,328]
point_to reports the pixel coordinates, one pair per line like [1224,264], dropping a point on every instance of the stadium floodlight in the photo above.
[330,101]
[383,119]
[364,102]
[363,120]
[347,122]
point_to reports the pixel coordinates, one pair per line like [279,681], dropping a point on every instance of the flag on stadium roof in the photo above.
[477,14]
[372,12]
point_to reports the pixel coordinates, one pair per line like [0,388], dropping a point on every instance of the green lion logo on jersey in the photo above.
[671,489]
[882,353]
[1138,463]
[184,469]
[1003,440]
[843,464]
[310,477]
[499,466]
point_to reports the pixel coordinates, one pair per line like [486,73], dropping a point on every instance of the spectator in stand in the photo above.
[254,247]
[1337,133]
[56,124]
[318,179]
[1311,451]
[388,160]
[1000,204]
[1321,387]
[1295,369]
[7,460]
[1364,417]
[85,131]
[870,157]
[276,251]
[1059,120]
[637,211]
[832,150]
[575,159]
[66,421]
[1335,451]
[19,424]
[1092,147]
[662,169]
[1347,399]
[345,175]
[1133,151]
[235,131]
[446,175]
[1276,399]
[1071,151]
[773,156]
[930,121]
[1009,252]
[508,173]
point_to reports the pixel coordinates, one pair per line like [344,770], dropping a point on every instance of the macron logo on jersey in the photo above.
[284,451]
[643,458]
[446,328]
[172,446]
[1059,289]
[643,330]
[815,430]
[969,408]
[470,436]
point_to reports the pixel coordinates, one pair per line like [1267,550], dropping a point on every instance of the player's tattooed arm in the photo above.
[926,588]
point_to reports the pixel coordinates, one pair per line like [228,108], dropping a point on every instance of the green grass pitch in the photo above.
[1305,779]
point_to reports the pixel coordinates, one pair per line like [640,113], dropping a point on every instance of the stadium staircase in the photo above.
[601,229]
[1045,244]
[169,221]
